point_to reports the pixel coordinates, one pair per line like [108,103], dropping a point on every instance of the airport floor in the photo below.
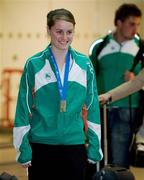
[8,164]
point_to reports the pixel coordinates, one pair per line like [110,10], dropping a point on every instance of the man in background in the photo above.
[112,63]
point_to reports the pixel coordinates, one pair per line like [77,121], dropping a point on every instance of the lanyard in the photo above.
[62,88]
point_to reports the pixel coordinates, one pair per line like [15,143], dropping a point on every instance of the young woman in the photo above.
[48,129]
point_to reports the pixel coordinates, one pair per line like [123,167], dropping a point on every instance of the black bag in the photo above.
[137,156]
[139,113]
[111,172]
[7,176]
[139,58]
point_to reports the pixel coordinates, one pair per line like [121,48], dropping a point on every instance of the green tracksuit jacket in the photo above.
[111,64]
[38,118]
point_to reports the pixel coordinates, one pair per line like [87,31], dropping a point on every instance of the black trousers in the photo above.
[57,162]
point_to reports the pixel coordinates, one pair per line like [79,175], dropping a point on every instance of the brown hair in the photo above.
[59,14]
[126,10]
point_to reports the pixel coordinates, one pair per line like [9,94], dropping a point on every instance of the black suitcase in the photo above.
[7,176]
[110,172]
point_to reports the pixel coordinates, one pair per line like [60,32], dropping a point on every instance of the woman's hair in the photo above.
[59,14]
[126,10]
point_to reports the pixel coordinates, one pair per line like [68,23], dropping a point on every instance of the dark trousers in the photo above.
[119,135]
[90,171]
[57,162]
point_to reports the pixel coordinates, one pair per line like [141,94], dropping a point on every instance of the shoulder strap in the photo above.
[139,56]
[97,52]
[101,46]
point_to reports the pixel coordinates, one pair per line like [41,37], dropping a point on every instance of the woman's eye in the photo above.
[59,32]
[69,32]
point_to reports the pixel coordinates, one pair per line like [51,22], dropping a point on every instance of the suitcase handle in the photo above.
[105,134]
[105,138]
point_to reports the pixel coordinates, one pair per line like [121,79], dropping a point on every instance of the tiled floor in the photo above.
[8,164]
[7,157]
[14,169]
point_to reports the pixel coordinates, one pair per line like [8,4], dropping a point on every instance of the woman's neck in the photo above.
[60,56]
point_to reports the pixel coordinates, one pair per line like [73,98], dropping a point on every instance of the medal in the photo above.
[62,106]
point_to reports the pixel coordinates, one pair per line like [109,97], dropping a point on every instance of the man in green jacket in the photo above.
[111,65]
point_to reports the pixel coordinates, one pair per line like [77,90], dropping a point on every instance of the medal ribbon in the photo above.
[62,88]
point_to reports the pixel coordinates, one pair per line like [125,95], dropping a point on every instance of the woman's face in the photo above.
[61,34]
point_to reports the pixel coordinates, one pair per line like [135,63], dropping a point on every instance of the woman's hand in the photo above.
[26,165]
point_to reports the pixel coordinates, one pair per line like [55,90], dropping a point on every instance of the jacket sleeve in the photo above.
[93,133]
[22,119]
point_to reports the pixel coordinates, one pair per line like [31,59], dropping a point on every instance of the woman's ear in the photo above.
[48,30]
